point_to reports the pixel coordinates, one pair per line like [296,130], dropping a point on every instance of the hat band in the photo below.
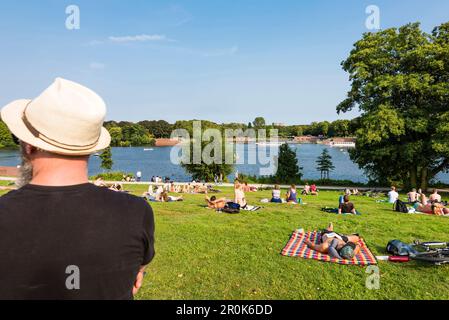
[53,142]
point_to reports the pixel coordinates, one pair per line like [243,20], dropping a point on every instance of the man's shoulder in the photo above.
[124,198]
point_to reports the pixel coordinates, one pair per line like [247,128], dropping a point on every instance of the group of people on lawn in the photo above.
[420,202]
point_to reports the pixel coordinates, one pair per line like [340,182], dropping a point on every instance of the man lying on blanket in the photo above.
[337,245]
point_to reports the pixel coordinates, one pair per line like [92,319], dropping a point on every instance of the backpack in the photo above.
[398,248]
[231,208]
[400,206]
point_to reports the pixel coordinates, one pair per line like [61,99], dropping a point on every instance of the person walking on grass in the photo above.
[63,238]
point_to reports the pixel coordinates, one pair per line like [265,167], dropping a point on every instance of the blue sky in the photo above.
[219,60]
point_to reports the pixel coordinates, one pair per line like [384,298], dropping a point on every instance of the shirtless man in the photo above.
[412,196]
[435,197]
[216,204]
[337,245]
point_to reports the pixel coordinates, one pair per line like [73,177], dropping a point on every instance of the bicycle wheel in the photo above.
[432,257]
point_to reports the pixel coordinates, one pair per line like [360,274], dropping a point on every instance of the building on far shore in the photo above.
[167,142]
[307,139]
[340,142]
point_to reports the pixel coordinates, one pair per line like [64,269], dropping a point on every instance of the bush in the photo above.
[112,176]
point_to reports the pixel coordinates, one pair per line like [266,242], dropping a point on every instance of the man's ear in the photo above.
[29,150]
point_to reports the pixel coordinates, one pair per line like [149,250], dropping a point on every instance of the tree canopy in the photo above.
[400,83]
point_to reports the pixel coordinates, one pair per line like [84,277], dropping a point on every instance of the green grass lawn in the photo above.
[205,255]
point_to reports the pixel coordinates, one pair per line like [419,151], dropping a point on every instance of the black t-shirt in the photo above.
[346,207]
[50,235]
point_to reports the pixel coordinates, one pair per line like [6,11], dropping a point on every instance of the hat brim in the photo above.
[12,116]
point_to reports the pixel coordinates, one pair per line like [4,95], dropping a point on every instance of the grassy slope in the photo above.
[204,255]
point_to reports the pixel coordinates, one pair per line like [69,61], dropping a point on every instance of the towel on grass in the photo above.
[335,210]
[297,247]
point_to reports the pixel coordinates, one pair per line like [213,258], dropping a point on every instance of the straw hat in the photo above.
[67,119]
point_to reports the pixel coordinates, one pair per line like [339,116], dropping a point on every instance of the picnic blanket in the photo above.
[296,247]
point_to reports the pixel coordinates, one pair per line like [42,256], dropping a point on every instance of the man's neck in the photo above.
[57,173]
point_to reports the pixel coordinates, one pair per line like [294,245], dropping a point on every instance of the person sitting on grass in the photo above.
[246,187]
[413,196]
[216,204]
[435,197]
[292,195]
[313,190]
[239,195]
[117,187]
[240,199]
[393,195]
[306,190]
[347,207]
[336,245]
[276,194]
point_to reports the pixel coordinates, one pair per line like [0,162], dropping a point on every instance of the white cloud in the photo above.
[139,38]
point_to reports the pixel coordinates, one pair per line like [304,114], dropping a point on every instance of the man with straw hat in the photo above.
[61,237]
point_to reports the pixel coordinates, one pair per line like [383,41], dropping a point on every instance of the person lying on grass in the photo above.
[347,206]
[426,206]
[336,245]
[216,204]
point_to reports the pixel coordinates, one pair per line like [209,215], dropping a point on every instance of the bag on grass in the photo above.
[398,248]
[400,206]
[231,208]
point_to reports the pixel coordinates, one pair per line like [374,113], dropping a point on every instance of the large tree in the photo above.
[400,83]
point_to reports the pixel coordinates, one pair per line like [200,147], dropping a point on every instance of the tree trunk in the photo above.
[424,179]
[413,177]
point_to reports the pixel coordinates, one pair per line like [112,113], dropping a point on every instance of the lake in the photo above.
[157,162]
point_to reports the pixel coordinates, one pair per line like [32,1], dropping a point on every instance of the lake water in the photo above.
[157,162]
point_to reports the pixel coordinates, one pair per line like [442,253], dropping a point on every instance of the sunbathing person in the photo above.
[435,197]
[166,198]
[430,208]
[413,196]
[216,204]
[246,187]
[347,206]
[276,194]
[337,245]
[100,183]
[117,187]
